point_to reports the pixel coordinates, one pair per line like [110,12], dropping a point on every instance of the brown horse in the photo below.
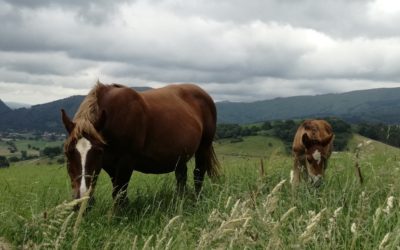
[157,131]
[312,147]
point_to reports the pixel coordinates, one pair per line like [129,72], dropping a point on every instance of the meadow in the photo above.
[249,207]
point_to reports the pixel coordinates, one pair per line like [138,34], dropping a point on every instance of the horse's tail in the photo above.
[213,167]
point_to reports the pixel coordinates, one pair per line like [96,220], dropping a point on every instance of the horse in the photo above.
[156,131]
[312,147]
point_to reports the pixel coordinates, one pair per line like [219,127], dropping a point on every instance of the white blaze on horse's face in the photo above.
[317,156]
[83,146]
[315,167]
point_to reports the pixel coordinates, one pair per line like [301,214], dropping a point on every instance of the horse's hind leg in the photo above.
[181,177]
[199,172]
[206,161]
[203,163]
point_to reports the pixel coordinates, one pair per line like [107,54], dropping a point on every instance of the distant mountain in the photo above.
[42,117]
[17,105]
[375,105]
[4,108]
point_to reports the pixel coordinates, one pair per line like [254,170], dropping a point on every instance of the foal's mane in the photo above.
[87,115]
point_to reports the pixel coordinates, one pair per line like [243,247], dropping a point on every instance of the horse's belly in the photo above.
[149,166]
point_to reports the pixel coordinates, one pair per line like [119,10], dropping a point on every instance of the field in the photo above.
[30,146]
[246,208]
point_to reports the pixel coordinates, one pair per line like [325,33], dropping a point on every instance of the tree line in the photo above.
[284,130]
[389,134]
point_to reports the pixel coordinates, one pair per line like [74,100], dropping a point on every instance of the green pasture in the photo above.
[28,146]
[247,208]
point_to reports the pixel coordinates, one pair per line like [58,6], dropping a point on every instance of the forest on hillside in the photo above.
[286,129]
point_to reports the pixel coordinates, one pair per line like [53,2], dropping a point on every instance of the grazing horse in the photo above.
[312,147]
[156,131]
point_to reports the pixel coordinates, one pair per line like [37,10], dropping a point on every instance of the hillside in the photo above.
[42,117]
[375,105]
[4,108]
[252,205]
[17,105]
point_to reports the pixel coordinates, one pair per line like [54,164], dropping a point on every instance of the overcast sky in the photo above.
[237,50]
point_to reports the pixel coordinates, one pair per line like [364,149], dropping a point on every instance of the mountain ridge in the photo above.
[4,107]
[373,105]
[354,105]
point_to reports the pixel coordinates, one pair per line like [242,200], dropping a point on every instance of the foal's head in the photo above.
[316,158]
[83,149]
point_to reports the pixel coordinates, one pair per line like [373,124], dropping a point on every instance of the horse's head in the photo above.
[83,149]
[316,158]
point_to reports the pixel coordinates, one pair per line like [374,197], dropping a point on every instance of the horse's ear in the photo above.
[68,124]
[99,125]
[327,140]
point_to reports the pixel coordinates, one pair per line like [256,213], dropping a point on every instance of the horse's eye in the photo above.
[97,149]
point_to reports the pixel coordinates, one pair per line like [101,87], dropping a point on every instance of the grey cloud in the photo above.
[340,18]
[42,63]
[91,11]
[235,49]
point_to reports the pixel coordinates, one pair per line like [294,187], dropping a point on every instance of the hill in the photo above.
[17,105]
[375,105]
[42,117]
[251,206]
[4,108]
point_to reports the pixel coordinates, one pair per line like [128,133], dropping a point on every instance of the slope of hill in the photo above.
[17,105]
[4,108]
[43,117]
[375,105]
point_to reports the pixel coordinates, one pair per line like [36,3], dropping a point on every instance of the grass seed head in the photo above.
[337,212]
[384,241]
[389,205]
[353,228]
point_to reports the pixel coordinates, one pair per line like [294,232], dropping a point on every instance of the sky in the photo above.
[236,50]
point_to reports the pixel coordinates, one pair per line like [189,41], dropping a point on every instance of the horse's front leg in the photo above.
[120,185]
[295,173]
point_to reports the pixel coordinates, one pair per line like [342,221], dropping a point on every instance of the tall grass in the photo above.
[242,210]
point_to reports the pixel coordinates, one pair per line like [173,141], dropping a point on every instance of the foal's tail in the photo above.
[213,167]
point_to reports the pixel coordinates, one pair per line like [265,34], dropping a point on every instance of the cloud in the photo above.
[236,50]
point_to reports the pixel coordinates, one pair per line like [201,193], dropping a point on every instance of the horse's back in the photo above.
[183,102]
[160,125]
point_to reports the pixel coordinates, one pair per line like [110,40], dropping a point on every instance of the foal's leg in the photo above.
[295,173]
[181,177]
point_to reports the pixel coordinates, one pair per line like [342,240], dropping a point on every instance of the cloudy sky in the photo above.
[237,50]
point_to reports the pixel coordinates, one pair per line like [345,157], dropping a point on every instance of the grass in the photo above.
[242,210]
[23,145]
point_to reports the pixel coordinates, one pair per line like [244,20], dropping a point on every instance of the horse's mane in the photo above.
[87,115]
